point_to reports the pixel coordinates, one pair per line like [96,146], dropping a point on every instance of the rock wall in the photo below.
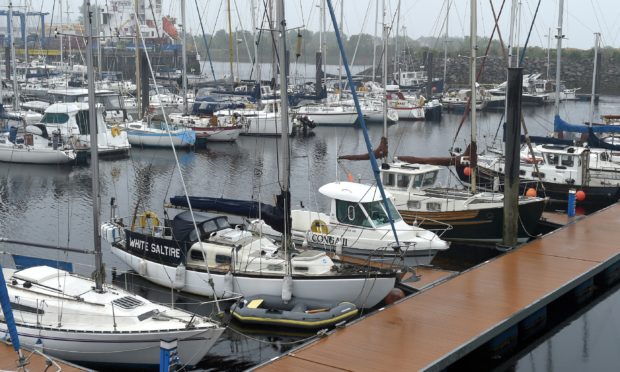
[576,72]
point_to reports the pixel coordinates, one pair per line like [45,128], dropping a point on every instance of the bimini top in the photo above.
[67,108]
[352,192]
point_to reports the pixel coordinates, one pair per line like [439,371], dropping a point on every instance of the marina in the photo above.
[284,199]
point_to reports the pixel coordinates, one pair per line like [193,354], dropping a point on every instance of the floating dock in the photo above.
[36,362]
[490,305]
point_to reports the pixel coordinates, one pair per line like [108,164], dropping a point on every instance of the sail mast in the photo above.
[230,49]
[94,155]
[385,46]
[184,52]
[597,35]
[472,65]
[284,144]
[558,61]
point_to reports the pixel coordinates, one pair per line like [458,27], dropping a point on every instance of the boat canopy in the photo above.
[559,125]
[183,225]
[352,192]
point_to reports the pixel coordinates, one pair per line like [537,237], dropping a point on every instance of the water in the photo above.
[51,204]
[588,342]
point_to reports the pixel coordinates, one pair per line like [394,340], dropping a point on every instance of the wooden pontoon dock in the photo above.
[36,362]
[500,298]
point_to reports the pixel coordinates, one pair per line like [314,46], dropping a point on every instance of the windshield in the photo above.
[377,213]
[54,118]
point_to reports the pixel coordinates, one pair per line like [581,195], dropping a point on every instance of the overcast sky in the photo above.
[418,17]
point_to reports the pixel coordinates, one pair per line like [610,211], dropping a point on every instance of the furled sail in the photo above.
[468,157]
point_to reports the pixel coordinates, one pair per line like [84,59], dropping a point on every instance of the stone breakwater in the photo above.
[576,72]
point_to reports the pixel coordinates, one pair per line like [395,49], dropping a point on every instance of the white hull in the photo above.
[326,119]
[27,154]
[364,292]
[221,134]
[409,113]
[125,349]
[264,126]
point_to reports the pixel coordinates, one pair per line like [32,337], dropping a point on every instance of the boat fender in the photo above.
[148,216]
[228,285]
[142,267]
[319,227]
[179,277]
[287,288]
[116,131]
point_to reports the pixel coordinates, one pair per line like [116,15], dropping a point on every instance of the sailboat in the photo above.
[87,321]
[223,260]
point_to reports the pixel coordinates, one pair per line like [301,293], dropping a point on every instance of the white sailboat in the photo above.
[34,147]
[87,321]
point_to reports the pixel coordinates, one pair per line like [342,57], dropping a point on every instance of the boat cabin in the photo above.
[405,176]
[360,205]
[557,163]
[112,101]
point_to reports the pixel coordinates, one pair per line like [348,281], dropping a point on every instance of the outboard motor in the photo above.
[12,134]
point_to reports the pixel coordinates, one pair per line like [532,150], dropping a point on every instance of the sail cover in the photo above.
[560,125]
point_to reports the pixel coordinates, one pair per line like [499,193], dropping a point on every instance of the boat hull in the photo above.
[131,349]
[26,154]
[480,225]
[364,292]
[183,139]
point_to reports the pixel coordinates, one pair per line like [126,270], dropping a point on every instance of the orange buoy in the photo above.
[467,171]
[350,177]
[580,195]
[394,295]
[531,192]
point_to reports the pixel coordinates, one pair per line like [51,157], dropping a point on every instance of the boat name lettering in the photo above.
[328,239]
[155,248]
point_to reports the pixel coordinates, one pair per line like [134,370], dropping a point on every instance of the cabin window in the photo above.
[196,255]
[301,268]
[567,160]
[433,206]
[538,174]
[274,267]
[209,226]
[54,118]
[553,159]
[81,118]
[388,179]
[350,213]
[402,180]
[377,213]
[25,308]
[429,178]
[413,204]
[222,259]
[417,180]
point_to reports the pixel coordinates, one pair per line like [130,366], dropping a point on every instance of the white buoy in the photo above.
[287,288]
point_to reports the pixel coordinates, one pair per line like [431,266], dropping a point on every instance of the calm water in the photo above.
[51,204]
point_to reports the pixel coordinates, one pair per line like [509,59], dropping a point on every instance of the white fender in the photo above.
[228,285]
[179,277]
[142,267]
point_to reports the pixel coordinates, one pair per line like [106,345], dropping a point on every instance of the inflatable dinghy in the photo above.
[298,312]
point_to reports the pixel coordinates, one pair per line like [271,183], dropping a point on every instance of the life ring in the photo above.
[319,227]
[116,131]
[149,216]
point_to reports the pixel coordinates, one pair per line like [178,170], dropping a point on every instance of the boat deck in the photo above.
[436,327]
[36,362]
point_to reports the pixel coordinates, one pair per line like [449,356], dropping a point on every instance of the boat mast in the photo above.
[94,155]
[256,64]
[284,144]
[14,66]
[396,54]
[60,36]
[184,52]
[385,45]
[374,43]
[137,57]
[445,47]
[472,65]
[548,52]
[340,85]
[597,35]
[558,61]
[230,49]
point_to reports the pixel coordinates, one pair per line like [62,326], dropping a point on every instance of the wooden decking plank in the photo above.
[36,362]
[460,313]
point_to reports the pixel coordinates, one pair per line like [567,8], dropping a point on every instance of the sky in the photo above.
[582,18]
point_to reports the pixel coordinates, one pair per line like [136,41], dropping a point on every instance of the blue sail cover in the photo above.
[560,125]
[272,215]
[5,302]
